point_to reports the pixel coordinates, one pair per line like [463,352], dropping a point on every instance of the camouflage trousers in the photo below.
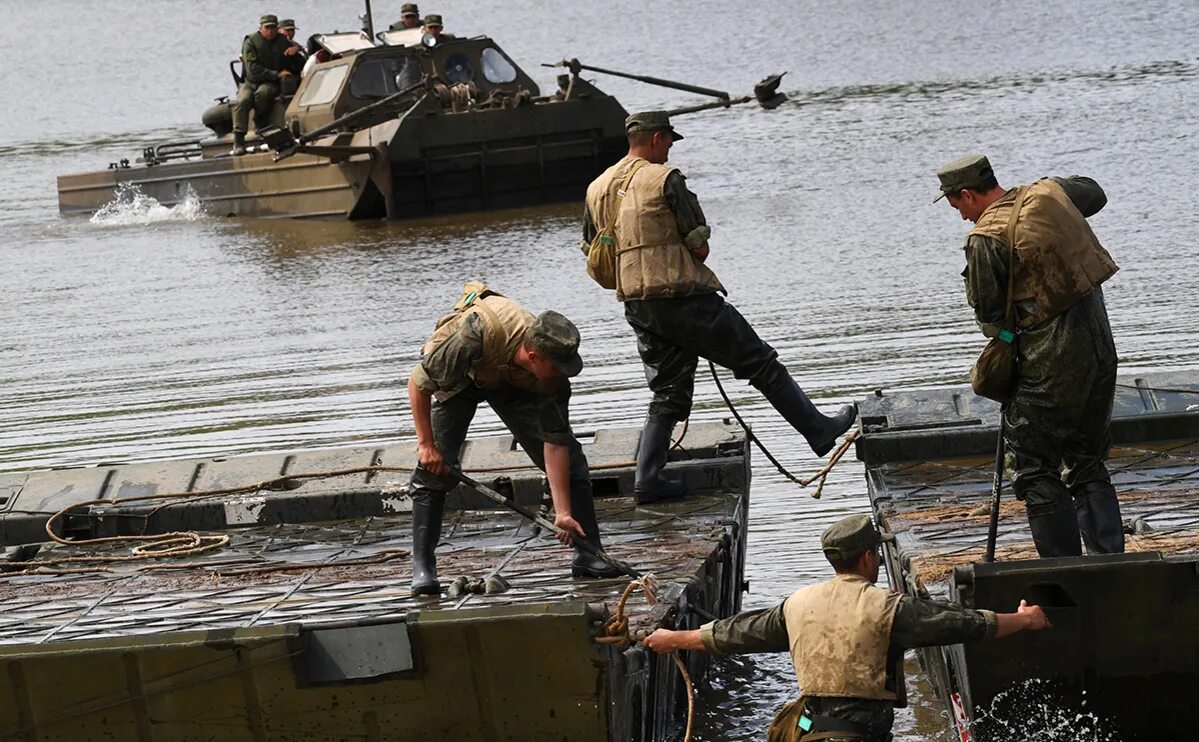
[674,333]
[520,413]
[1058,427]
[257,96]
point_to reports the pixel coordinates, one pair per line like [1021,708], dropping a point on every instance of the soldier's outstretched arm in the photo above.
[762,630]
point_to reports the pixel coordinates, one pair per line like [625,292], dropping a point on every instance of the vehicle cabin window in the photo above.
[496,67]
[322,85]
[379,78]
[458,68]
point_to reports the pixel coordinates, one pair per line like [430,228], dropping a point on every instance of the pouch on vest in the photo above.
[993,375]
[601,255]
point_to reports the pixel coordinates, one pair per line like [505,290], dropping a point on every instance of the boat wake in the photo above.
[132,207]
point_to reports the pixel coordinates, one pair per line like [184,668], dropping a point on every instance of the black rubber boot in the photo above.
[1055,532]
[820,431]
[1099,519]
[582,508]
[239,143]
[652,482]
[426,532]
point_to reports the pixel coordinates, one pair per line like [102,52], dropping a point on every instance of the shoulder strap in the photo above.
[1011,253]
[624,186]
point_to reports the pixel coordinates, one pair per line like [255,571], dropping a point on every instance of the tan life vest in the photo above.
[840,631]
[651,258]
[1058,258]
[505,323]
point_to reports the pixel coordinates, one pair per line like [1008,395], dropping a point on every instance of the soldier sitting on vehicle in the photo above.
[295,56]
[433,27]
[263,54]
[409,18]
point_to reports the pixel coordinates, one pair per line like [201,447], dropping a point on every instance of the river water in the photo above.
[164,333]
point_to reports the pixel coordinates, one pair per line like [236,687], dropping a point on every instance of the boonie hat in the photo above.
[433,20]
[287,23]
[968,172]
[650,121]
[849,537]
[409,9]
[558,338]
[270,19]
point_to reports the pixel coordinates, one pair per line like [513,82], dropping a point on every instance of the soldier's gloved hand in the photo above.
[1035,617]
[430,458]
[568,525]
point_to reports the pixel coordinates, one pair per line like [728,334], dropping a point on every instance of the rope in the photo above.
[616,633]
[821,475]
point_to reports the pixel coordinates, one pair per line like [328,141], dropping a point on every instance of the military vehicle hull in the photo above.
[473,134]
[301,627]
[1123,646]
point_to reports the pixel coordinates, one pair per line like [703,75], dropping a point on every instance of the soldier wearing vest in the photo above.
[492,350]
[847,638]
[1059,416]
[264,54]
[673,302]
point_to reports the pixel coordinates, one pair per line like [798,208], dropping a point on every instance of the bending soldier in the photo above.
[847,638]
[492,350]
[263,54]
[1058,418]
[671,300]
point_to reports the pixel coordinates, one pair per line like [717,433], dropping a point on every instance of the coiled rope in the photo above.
[616,633]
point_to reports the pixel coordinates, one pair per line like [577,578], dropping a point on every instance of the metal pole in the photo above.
[529,515]
[370,22]
[574,66]
[996,488]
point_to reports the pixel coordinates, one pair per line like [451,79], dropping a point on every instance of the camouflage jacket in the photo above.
[918,623]
[1058,357]
[263,59]
[446,367]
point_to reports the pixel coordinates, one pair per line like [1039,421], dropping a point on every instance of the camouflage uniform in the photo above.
[263,60]
[533,419]
[1059,416]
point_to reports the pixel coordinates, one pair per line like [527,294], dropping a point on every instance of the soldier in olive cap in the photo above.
[847,638]
[1058,418]
[409,18]
[492,350]
[264,55]
[294,58]
[672,301]
[434,26]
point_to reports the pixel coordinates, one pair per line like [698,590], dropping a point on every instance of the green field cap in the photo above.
[558,338]
[968,172]
[409,9]
[287,23]
[270,19]
[433,20]
[650,121]
[849,537]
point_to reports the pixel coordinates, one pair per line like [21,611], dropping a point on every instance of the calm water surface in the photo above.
[175,334]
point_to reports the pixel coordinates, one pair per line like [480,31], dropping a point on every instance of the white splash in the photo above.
[1035,711]
[131,207]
